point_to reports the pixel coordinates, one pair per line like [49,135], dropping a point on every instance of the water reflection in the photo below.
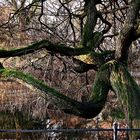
[44,136]
[19,121]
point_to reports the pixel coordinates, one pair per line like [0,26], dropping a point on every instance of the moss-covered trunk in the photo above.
[129,95]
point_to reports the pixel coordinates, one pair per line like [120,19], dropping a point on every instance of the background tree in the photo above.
[93,34]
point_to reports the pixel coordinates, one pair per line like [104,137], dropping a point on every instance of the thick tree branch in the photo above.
[82,67]
[99,58]
[44,44]
[88,109]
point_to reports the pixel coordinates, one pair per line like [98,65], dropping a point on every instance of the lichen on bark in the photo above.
[128,93]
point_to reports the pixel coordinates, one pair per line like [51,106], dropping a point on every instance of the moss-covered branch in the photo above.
[54,48]
[44,44]
[99,58]
[81,67]
[88,109]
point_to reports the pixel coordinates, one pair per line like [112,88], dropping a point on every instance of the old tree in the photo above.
[100,31]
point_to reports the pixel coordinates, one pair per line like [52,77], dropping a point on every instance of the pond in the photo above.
[18,121]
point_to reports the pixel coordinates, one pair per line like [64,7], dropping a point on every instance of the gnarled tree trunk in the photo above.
[129,95]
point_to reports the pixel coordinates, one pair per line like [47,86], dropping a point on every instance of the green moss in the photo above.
[117,113]
[44,44]
[101,85]
[128,93]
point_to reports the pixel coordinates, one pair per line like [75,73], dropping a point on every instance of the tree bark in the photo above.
[128,94]
[128,33]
